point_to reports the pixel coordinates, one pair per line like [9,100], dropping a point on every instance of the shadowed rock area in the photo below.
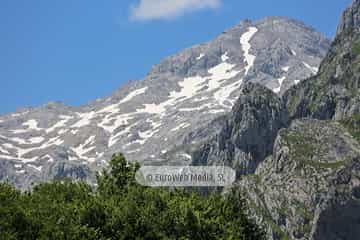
[307,188]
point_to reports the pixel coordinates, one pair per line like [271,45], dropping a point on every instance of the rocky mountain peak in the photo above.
[350,20]
[333,92]
[245,136]
[147,119]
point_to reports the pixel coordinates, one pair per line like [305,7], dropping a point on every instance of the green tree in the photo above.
[121,209]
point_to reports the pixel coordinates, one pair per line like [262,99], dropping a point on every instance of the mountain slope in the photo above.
[334,92]
[146,119]
[308,186]
[245,136]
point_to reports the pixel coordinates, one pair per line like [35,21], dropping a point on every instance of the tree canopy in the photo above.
[118,208]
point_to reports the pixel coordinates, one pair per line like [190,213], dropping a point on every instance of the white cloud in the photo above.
[168,9]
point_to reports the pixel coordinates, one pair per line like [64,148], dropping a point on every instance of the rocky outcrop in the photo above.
[75,171]
[334,92]
[24,176]
[309,187]
[350,20]
[247,134]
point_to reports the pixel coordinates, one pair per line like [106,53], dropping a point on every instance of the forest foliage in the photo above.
[119,208]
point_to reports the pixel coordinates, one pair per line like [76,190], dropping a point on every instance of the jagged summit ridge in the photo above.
[350,20]
[333,92]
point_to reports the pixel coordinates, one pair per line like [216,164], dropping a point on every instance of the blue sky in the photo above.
[75,51]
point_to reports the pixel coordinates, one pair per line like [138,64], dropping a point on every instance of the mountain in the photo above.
[308,188]
[297,155]
[334,92]
[245,136]
[146,119]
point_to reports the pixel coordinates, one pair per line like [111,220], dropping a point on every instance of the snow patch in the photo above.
[84,119]
[224,57]
[145,136]
[181,126]
[133,151]
[8,145]
[32,124]
[200,56]
[19,114]
[223,95]
[4,150]
[35,167]
[83,149]
[114,138]
[296,81]
[50,159]
[19,131]
[154,125]
[191,86]
[285,69]
[22,151]
[74,131]
[221,72]
[153,108]
[314,70]
[133,94]
[216,111]
[59,124]
[207,105]
[110,124]
[30,141]
[224,71]
[19,140]
[62,131]
[246,46]
[114,108]
[36,140]
[188,156]
[280,82]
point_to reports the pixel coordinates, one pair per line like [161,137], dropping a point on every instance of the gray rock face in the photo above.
[308,188]
[247,135]
[334,92]
[147,119]
[350,20]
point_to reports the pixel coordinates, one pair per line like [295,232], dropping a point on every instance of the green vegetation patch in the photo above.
[353,126]
[255,177]
[329,165]
[305,148]
[283,235]
[118,209]
[356,47]
[302,146]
